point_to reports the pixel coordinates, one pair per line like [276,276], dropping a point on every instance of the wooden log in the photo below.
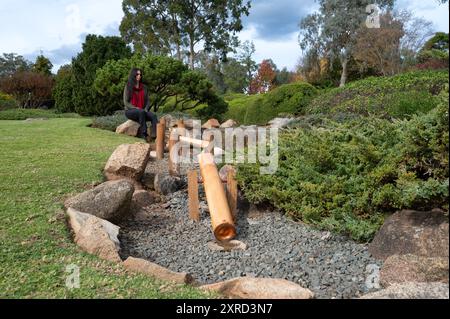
[202,144]
[180,124]
[159,141]
[232,192]
[221,218]
[194,141]
[194,205]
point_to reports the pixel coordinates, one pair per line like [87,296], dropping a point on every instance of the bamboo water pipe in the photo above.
[221,218]
[201,143]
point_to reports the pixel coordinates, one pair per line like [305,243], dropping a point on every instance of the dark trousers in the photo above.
[141,116]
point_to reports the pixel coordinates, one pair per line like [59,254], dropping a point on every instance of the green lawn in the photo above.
[41,163]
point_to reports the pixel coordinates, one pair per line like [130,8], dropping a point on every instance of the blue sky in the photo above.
[58,27]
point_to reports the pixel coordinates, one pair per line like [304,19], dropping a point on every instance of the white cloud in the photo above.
[285,53]
[48,24]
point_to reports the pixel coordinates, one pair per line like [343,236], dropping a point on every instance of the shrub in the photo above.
[398,96]
[64,90]
[7,102]
[288,99]
[23,114]
[346,176]
[29,89]
[109,122]
[97,51]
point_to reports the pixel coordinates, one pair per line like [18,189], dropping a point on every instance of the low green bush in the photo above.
[109,122]
[347,176]
[23,114]
[398,96]
[288,99]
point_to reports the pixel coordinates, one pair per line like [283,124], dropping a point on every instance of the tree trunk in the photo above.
[344,62]
[180,58]
[191,51]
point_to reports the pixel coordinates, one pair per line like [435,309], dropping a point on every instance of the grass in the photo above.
[42,163]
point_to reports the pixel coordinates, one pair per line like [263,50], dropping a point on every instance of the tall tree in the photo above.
[43,65]
[152,26]
[379,48]
[97,50]
[335,26]
[30,89]
[284,76]
[63,89]
[235,76]
[11,63]
[164,26]
[264,79]
[417,31]
[437,42]
[245,57]
[211,66]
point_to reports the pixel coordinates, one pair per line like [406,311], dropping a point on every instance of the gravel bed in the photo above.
[331,266]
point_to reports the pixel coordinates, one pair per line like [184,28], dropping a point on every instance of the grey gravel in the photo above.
[330,265]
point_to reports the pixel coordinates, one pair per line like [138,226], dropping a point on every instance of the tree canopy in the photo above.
[178,27]
[333,29]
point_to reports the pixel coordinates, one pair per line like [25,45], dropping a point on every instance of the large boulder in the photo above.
[128,160]
[110,200]
[259,288]
[223,172]
[130,128]
[412,268]
[228,124]
[166,184]
[412,290]
[146,267]
[212,123]
[142,199]
[95,235]
[412,232]
[280,122]
[148,178]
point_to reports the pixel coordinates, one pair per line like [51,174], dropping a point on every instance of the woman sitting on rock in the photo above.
[137,106]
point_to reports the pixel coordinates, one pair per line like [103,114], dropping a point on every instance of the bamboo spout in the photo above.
[221,218]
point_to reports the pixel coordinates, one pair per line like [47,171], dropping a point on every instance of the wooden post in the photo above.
[210,148]
[221,219]
[232,191]
[181,130]
[159,141]
[180,124]
[194,209]
[173,139]
[162,121]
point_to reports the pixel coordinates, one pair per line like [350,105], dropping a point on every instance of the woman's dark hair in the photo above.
[132,79]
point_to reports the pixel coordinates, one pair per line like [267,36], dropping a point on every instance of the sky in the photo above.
[57,28]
